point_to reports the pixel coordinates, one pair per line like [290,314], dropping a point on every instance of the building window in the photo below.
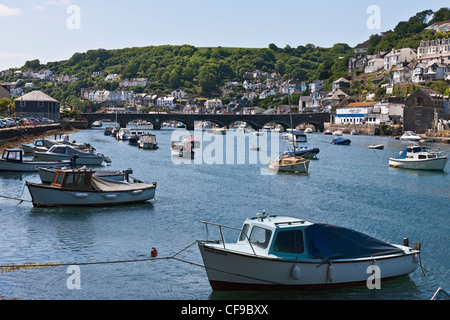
[40,103]
[418,123]
[418,113]
[23,103]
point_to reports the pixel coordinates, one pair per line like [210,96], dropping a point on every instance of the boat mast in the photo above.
[290,116]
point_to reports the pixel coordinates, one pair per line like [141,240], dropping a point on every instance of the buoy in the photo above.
[154,252]
[296,273]
[330,272]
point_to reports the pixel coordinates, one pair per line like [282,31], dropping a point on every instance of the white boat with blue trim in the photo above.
[419,158]
[13,160]
[285,253]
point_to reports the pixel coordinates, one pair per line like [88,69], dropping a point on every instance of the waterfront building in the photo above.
[422,109]
[355,113]
[37,104]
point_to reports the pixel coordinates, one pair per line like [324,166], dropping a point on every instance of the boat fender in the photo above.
[415,258]
[330,272]
[296,273]
[154,252]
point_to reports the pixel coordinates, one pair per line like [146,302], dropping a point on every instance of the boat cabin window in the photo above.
[260,237]
[243,234]
[59,150]
[422,156]
[12,155]
[290,241]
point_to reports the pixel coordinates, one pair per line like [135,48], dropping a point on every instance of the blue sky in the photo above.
[37,29]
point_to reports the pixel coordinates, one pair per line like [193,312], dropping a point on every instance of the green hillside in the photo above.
[202,71]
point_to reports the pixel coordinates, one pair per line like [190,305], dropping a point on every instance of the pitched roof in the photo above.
[36,95]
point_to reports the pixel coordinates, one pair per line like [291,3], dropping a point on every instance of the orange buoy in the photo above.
[154,252]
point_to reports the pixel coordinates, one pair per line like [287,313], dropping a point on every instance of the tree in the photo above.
[5,104]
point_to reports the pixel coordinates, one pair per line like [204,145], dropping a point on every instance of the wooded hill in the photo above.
[201,71]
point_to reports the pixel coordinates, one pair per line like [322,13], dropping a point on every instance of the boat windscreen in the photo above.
[329,242]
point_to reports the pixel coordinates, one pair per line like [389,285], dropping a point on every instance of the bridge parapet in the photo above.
[256,121]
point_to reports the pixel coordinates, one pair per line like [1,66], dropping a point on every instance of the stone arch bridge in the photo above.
[255,121]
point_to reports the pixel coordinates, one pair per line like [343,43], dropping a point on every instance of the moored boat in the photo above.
[286,253]
[12,160]
[410,136]
[48,174]
[376,146]
[182,149]
[290,163]
[295,136]
[419,158]
[65,152]
[341,141]
[304,152]
[78,187]
[148,141]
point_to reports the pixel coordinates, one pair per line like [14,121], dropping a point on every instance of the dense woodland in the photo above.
[202,71]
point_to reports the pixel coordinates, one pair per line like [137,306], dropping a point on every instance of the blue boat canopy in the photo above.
[328,242]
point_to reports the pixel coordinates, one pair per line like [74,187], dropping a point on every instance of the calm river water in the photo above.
[351,186]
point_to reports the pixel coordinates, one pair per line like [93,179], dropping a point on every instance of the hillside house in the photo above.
[397,57]
[434,49]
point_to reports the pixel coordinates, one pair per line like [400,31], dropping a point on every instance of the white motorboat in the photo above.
[290,163]
[295,136]
[76,187]
[354,132]
[182,149]
[38,144]
[410,136]
[102,124]
[65,152]
[376,146]
[12,160]
[285,253]
[337,133]
[419,158]
[123,134]
[148,141]
[48,174]
[308,130]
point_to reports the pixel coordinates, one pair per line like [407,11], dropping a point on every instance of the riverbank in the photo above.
[17,137]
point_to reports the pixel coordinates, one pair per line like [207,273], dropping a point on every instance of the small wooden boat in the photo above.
[289,163]
[78,187]
[287,253]
[48,174]
[12,160]
[376,146]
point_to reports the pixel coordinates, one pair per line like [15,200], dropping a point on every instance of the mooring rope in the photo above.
[174,257]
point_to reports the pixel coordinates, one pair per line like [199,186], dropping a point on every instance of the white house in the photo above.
[248,85]
[112,77]
[213,104]
[396,57]
[433,70]
[167,102]
[179,94]
[354,113]
[373,65]
[316,86]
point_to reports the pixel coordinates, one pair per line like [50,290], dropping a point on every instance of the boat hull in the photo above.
[81,160]
[299,168]
[436,164]
[227,270]
[29,166]
[46,196]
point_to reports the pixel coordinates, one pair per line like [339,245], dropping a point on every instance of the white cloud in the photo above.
[8,12]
